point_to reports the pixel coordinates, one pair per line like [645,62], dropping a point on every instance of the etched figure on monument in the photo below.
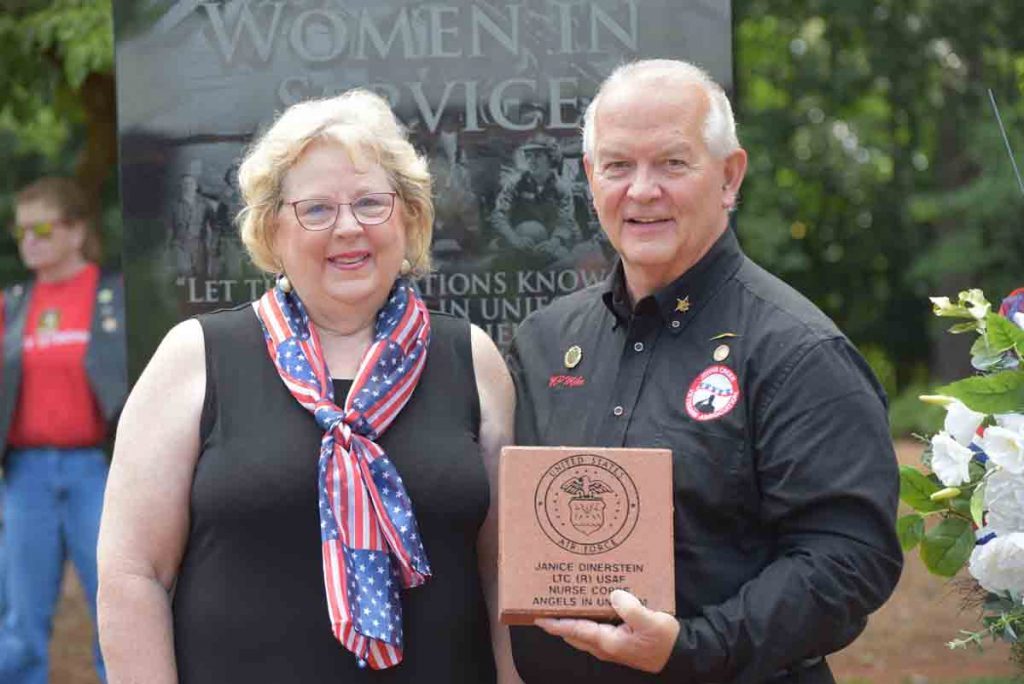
[192,218]
[533,213]
[457,210]
[227,257]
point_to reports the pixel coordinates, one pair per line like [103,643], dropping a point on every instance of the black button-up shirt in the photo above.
[785,479]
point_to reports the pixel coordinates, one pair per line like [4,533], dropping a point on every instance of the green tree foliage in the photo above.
[878,175]
[57,113]
[49,50]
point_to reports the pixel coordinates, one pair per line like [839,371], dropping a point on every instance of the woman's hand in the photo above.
[643,641]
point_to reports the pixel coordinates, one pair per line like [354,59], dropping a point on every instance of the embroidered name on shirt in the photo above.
[61,338]
[712,394]
[566,381]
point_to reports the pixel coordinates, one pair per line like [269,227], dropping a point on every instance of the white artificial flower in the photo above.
[1004,447]
[1011,421]
[950,460]
[961,422]
[999,564]
[979,311]
[977,305]
[1004,501]
[1018,318]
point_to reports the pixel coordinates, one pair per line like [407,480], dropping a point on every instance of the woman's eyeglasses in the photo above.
[321,214]
[43,229]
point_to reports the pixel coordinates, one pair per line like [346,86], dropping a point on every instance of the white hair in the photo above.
[719,128]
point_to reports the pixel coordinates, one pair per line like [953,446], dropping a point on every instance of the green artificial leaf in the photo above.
[987,362]
[981,347]
[1003,335]
[916,490]
[978,505]
[997,603]
[961,505]
[947,546]
[975,470]
[970,326]
[910,529]
[1001,392]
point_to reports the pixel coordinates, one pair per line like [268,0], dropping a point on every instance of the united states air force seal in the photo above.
[587,504]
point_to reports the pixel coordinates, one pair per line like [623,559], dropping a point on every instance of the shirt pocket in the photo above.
[713,485]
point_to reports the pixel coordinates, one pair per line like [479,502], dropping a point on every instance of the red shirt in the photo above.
[56,406]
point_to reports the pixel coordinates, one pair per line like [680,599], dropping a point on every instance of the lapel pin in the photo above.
[573,355]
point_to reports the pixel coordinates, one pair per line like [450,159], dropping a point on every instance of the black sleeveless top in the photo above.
[249,605]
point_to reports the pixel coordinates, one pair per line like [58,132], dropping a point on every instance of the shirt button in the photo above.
[675,324]
[618,411]
[639,346]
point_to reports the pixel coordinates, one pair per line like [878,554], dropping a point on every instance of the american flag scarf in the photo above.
[370,541]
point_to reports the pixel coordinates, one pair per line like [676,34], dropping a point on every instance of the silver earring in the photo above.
[284,284]
[406,267]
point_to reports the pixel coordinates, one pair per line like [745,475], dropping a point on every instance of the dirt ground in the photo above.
[904,642]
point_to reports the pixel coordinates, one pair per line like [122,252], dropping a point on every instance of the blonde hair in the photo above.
[67,197]
[719,128]
[363,124]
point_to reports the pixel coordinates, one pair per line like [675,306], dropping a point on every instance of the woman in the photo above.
[63,354]
[249,473]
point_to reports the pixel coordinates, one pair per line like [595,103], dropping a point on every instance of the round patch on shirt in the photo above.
[713,393]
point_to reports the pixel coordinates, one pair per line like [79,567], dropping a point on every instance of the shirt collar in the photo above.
[681,299]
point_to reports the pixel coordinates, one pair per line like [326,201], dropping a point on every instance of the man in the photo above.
[785,480]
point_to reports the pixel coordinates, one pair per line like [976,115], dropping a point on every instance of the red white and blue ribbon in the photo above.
[370,541]
[1013,306]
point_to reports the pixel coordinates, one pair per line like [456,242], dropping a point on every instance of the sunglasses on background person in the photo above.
[43,230]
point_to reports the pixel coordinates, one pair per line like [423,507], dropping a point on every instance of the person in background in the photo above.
[64,382]
[303,487]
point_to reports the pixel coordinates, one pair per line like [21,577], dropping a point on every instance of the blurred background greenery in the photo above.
[57,109]
[878,175]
